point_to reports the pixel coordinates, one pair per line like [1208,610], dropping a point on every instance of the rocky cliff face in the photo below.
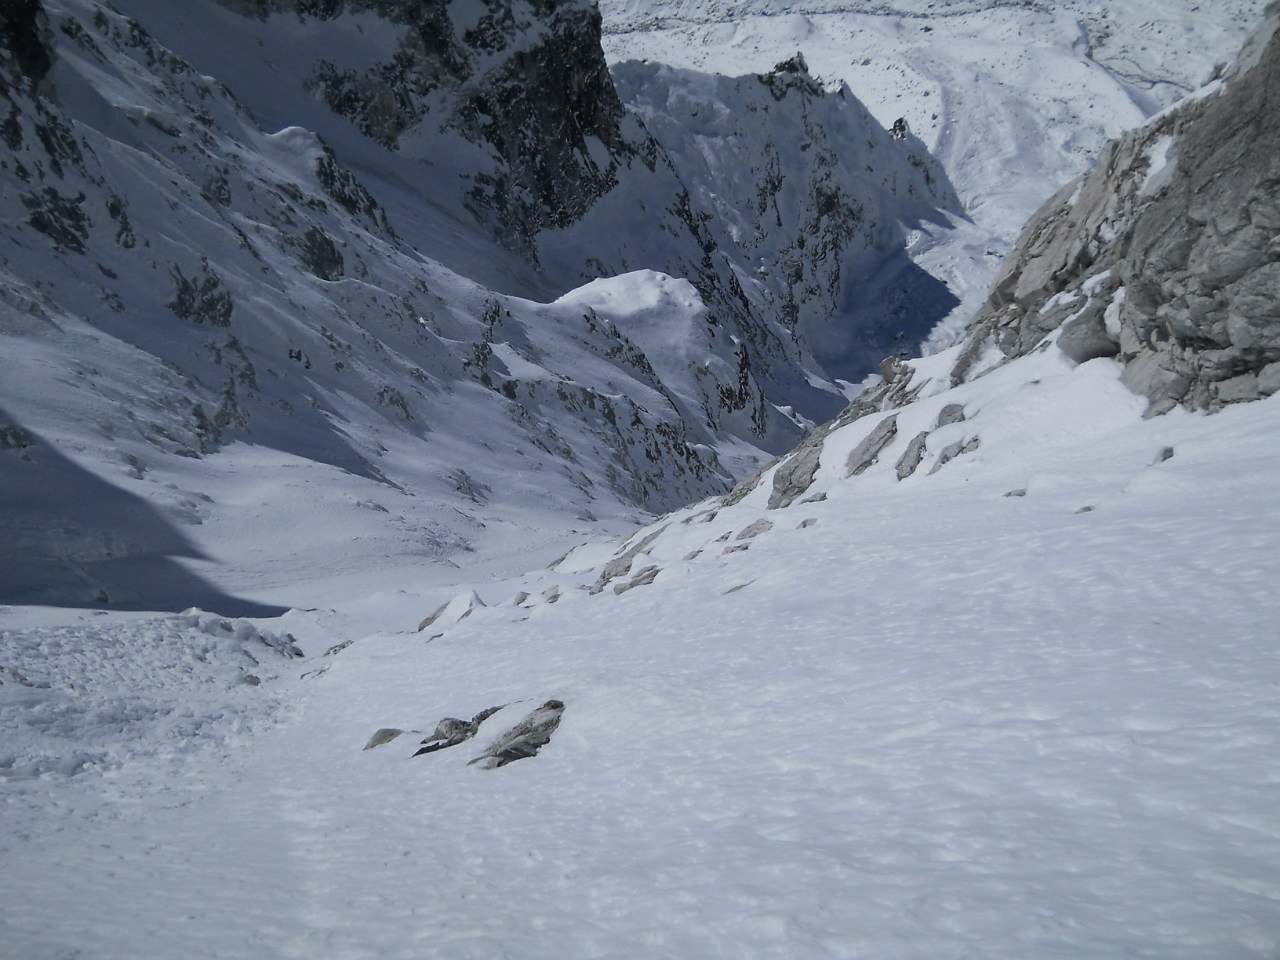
[176,278]
[504,112]
[524,80]
[1166,255]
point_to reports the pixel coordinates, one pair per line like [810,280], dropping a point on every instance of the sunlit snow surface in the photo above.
[936,721]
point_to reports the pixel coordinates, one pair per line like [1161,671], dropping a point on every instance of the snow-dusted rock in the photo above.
[866,453]
[525,739]
[451,731]
[1164,254]
[911,457]
[453,611]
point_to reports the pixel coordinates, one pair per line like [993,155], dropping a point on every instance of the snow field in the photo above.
[934,721]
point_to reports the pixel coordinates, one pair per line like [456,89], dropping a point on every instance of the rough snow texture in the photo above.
[1165,254]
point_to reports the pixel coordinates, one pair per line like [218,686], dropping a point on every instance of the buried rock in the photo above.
[525,739]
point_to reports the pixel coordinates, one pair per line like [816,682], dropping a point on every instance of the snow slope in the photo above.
[1022,706]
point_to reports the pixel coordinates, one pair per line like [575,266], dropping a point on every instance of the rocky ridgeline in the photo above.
[526,79]
[1166,255]
[236,283]
[802,204]
[239,279]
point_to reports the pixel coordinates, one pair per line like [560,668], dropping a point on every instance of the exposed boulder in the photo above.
[953,450]
[866,453]
[755,528]
[912,456]
[951,413]
[525,739]
[451,731]
[383,736]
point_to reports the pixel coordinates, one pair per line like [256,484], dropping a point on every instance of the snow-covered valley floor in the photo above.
[914,719]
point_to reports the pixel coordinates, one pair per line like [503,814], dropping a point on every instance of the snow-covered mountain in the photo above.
[1014,98]
[353,235]
[985,667]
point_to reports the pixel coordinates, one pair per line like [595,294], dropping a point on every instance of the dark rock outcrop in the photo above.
[23,27]
[451,731]
[525,79]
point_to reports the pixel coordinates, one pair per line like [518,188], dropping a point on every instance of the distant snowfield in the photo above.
[1022,706]
[1014,99]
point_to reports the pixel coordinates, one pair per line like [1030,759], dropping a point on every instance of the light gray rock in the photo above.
[384,735]
[1193,250]
[641,579]
[953,450]
[744,487]
[755,529]
[1239,389]
[1269,379]
[794,476]
[911,457]
[620,565]
[1085,338]
[951,413]
[1152,375]
[865,454]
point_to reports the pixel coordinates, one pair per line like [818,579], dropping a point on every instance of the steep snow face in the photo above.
[523,84]
[260,222]
[179,283]
[812,195]
[568,177]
